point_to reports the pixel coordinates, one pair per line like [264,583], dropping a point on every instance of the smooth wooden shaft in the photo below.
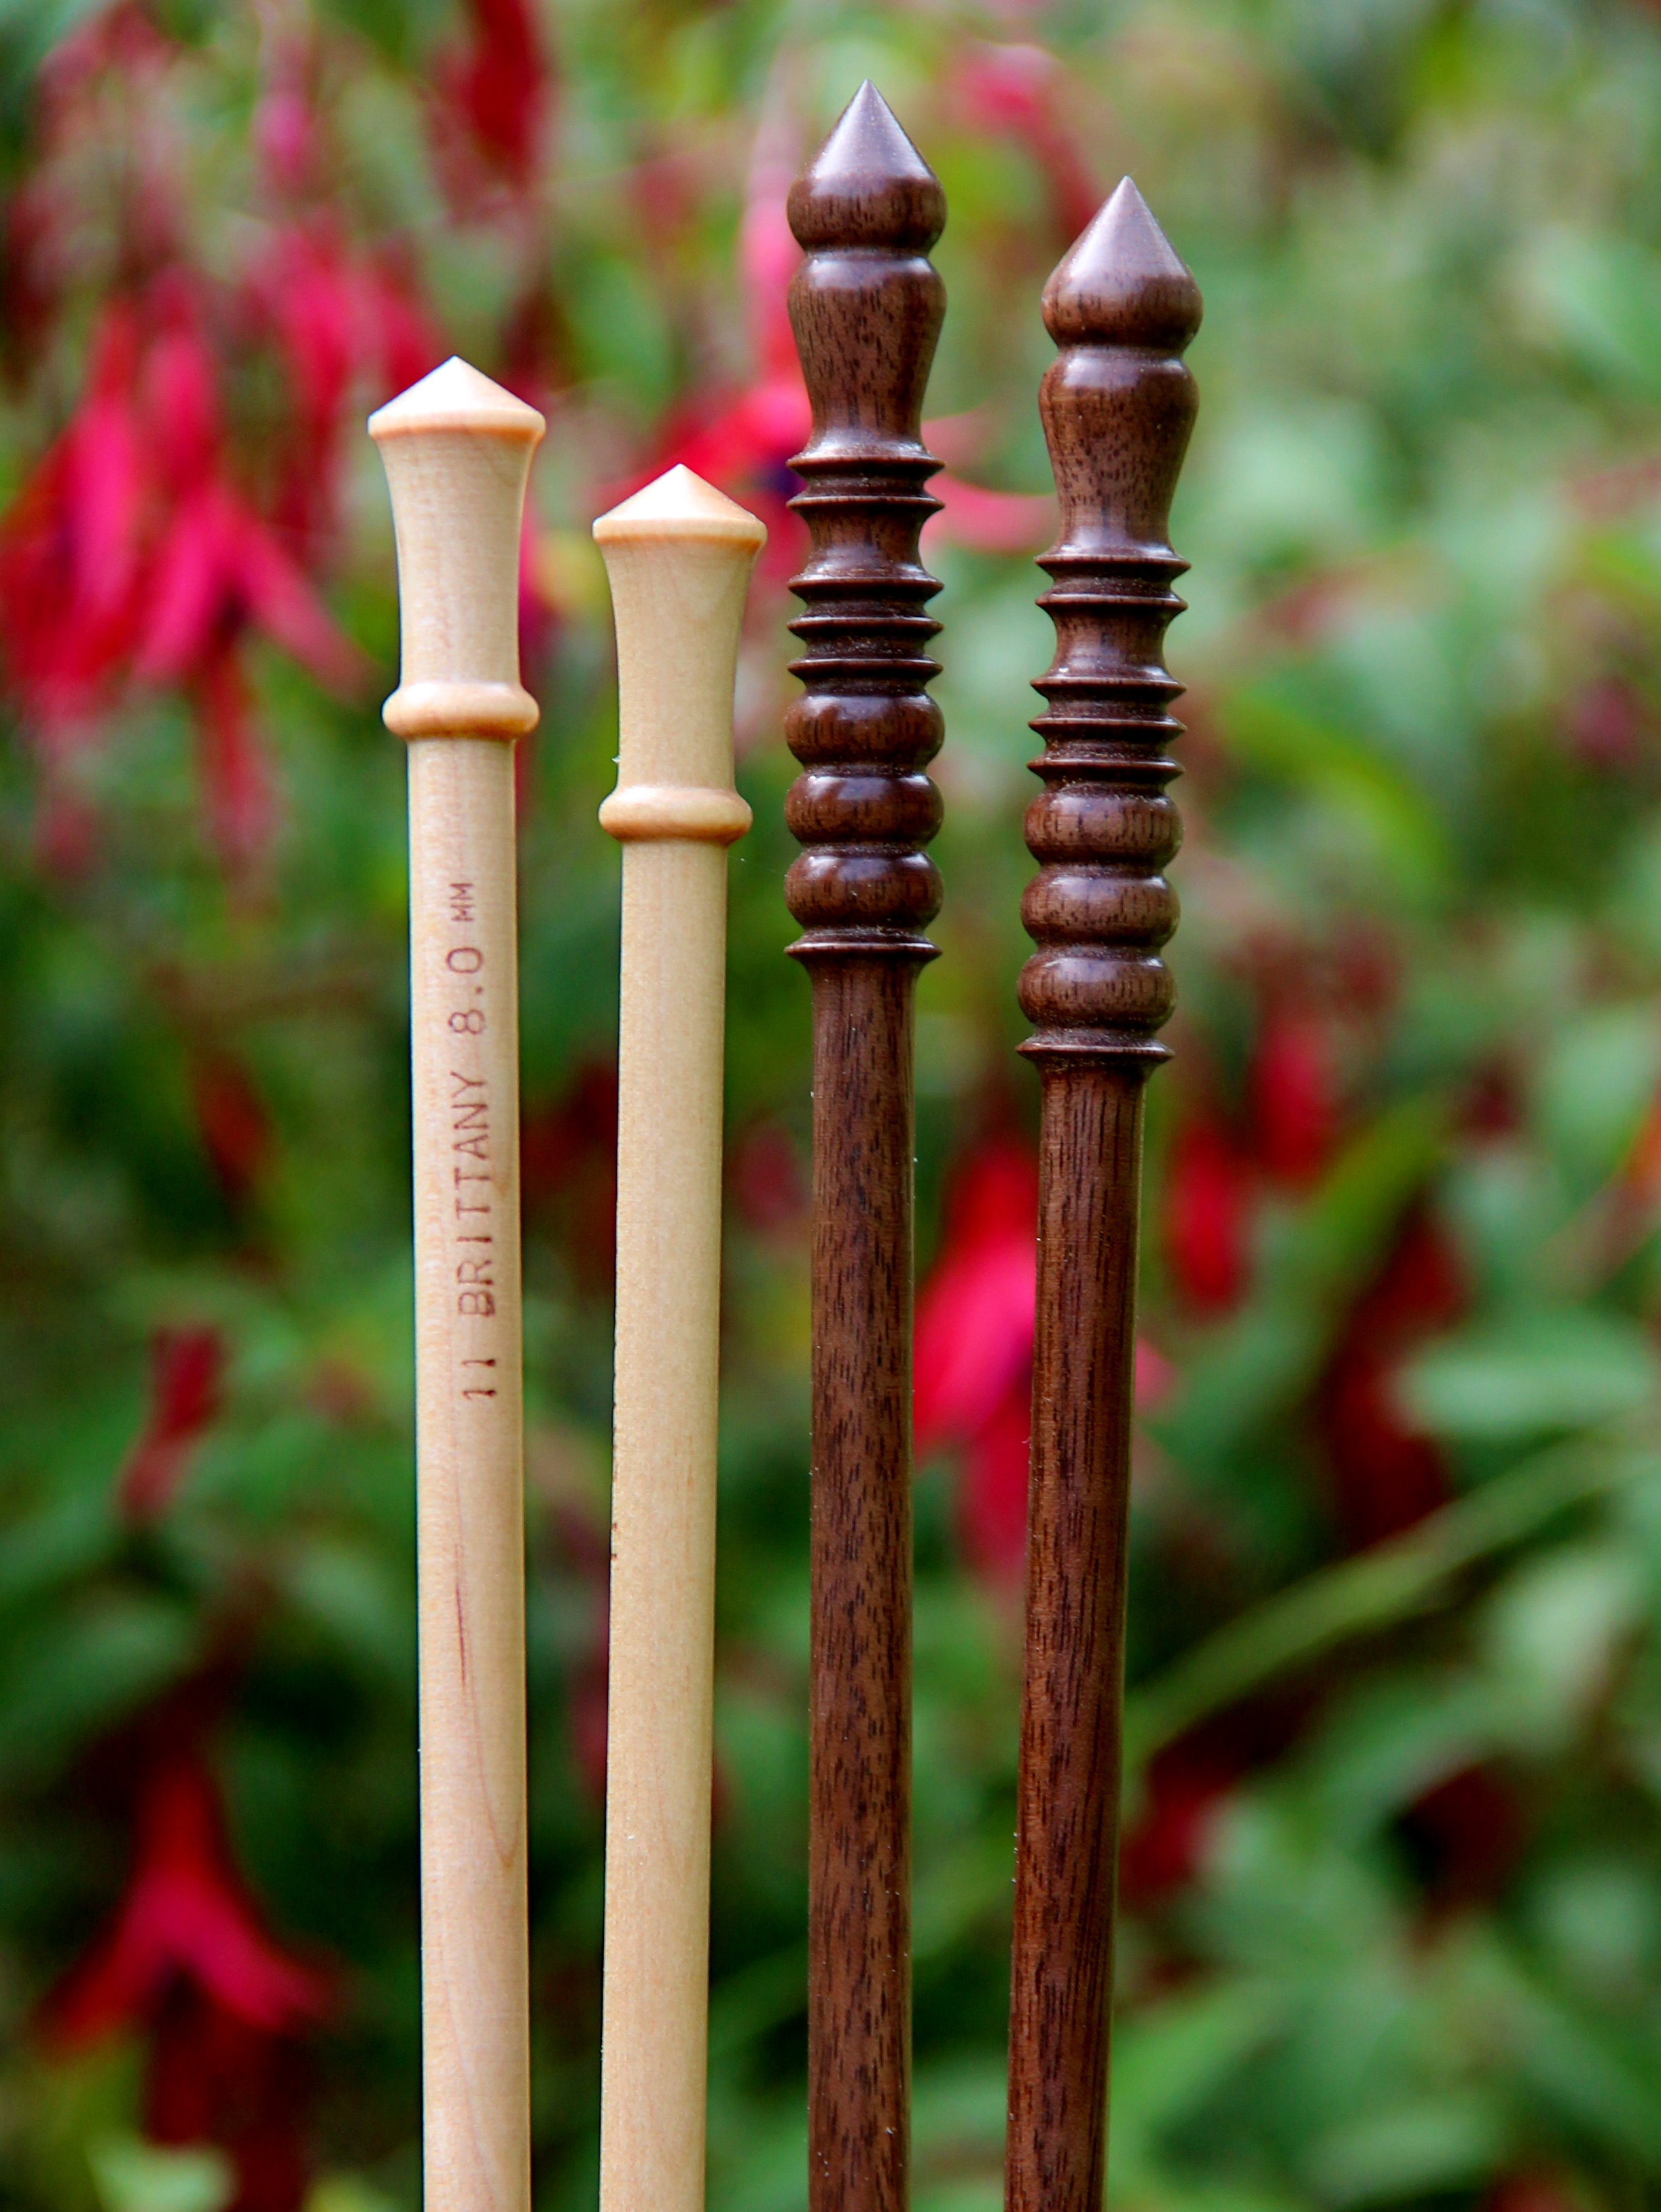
[471,1517]
[679,555]
[1061,1975]
[858,1990]
[663,1521]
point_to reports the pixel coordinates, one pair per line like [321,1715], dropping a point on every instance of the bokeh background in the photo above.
[1391,1930]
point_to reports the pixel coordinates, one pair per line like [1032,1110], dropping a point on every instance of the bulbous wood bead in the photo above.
[866,306]
[1117,406]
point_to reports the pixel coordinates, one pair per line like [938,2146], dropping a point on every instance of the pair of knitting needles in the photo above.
[1117,406]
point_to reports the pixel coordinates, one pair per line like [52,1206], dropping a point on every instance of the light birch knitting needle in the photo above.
[457,450]
[679,554]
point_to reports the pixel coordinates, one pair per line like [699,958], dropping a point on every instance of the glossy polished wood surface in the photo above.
[1117,406]
[866,306]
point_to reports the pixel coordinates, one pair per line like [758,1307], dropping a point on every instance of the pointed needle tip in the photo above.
[1122,283]
[868,185]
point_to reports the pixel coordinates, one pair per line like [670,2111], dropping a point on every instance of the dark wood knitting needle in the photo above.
[866,306]
[1117,406]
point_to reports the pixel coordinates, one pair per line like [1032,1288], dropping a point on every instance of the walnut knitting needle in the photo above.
[679,555]
[865,306]
[1117,406]
[457,450]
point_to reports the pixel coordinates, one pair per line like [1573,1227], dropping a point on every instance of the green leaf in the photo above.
[347,2192]
[363,1603]
[1270,734]
[56,1545]
[139,2177]
[1294,481]
[1394,1740]
[626,340]
[1600,297]
[1551,1633]
[1169,2060]
[1431,2145]
[1258,1362]
[1362,1595]
[1598,1916]
[1595,1085]
[29,29]
[959,2108]
[1594,2074]
[87,1667]
[1565,1367]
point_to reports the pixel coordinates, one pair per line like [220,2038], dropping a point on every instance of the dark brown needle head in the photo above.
[1117,404]
[865,306]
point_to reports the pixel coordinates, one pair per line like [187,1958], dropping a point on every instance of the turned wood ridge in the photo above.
[866,306]
[457,450]
[679,555]
[1117,406]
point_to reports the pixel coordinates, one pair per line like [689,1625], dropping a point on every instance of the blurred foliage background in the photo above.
[1392,1930]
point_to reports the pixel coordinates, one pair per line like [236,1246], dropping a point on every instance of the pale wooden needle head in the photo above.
[457,451]
[679,554]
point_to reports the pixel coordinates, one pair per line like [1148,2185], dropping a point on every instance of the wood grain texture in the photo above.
[1117,406]
[859,1960]
[679,556]
[865,306]
[457,451]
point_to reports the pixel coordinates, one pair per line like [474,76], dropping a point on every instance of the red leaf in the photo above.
[1015,91]
[339,322]
[1293,1098]
[221,567]
[754,437]
[769,255]
[236,1128]
[1164,1849]
[189,605]
[975,1314]
[108,470]
[241,810]
[1386,1475]
[407,343]
[185,1914]
[181,381]
[1464,1837]
[567,1167]
[279,599]
[71,546]
[311,294]
[212,2078]
[502,90]
[990,521]
[284,122]
[1207,1199]
[586,1707]
[1534,2192]
[186,1368]
[973,1361]
[1609,727]
[992,1502]
[765,1177]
